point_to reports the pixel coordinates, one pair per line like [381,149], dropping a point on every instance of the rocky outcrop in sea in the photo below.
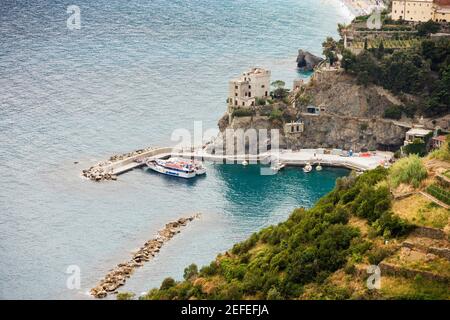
[306,61]
[117,276]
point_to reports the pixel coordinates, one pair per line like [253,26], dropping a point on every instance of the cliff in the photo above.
[348,116]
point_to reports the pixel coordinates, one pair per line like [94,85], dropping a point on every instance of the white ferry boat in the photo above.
[176,167]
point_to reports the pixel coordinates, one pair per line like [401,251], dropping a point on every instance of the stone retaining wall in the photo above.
[394,270]
[431,233]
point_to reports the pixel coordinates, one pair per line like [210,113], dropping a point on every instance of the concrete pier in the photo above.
[109,170]
[358,161]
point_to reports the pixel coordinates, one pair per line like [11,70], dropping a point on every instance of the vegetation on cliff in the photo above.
[279,261]
[423,71]
[320,253]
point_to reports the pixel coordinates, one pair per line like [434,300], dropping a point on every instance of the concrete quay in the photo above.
[109,170]
[358,161]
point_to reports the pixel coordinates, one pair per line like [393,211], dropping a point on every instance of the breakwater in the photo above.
[118,164]
[117,277]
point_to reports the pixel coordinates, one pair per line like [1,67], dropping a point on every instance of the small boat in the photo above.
[245,163]
[307,168]
[176,167]
[319,167]
[278,166]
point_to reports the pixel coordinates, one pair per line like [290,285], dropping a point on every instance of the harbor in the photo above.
[117,165]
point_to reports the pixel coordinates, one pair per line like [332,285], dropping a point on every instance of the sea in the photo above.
[125,77]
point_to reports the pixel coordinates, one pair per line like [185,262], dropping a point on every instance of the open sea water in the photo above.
[134,72]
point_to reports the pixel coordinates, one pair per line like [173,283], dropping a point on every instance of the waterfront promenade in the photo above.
[332,158]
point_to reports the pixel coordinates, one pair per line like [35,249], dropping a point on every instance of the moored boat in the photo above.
[277,166]
[308,167]
[176,167]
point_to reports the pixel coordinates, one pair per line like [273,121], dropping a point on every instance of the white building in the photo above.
[251,85]
[421,10]
[416,133]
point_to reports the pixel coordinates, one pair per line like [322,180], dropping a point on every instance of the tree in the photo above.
[348,60]
[279,91]
[277,84]
[190,272]
[381,50]
[393,112]
[426,28]
[167,283]
[330,49]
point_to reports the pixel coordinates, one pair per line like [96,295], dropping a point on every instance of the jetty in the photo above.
[117,277]
[119,164]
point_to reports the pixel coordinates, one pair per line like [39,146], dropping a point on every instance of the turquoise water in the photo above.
[135,71]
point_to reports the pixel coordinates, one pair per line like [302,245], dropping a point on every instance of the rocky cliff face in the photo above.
[328,131]
[351,116]
[340,95]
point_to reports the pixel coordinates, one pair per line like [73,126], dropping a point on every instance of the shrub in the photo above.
[393,112]
[125,296]
[408,170]
[428,27]
[390,225]
[364,126]
[350,268]
[417,147]
[190,272]
[210,270]
[231,291]
[276,114]
[260,101]
[376,255]
[274,294]
[280,261]
[244,246]
[242,112]
[167,283]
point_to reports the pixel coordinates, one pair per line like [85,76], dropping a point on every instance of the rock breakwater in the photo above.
[104,169]
[117,276]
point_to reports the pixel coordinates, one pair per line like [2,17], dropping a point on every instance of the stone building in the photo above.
[251,85]
[294,127]
[421,10]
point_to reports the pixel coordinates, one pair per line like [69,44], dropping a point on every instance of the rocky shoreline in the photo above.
[117,276]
